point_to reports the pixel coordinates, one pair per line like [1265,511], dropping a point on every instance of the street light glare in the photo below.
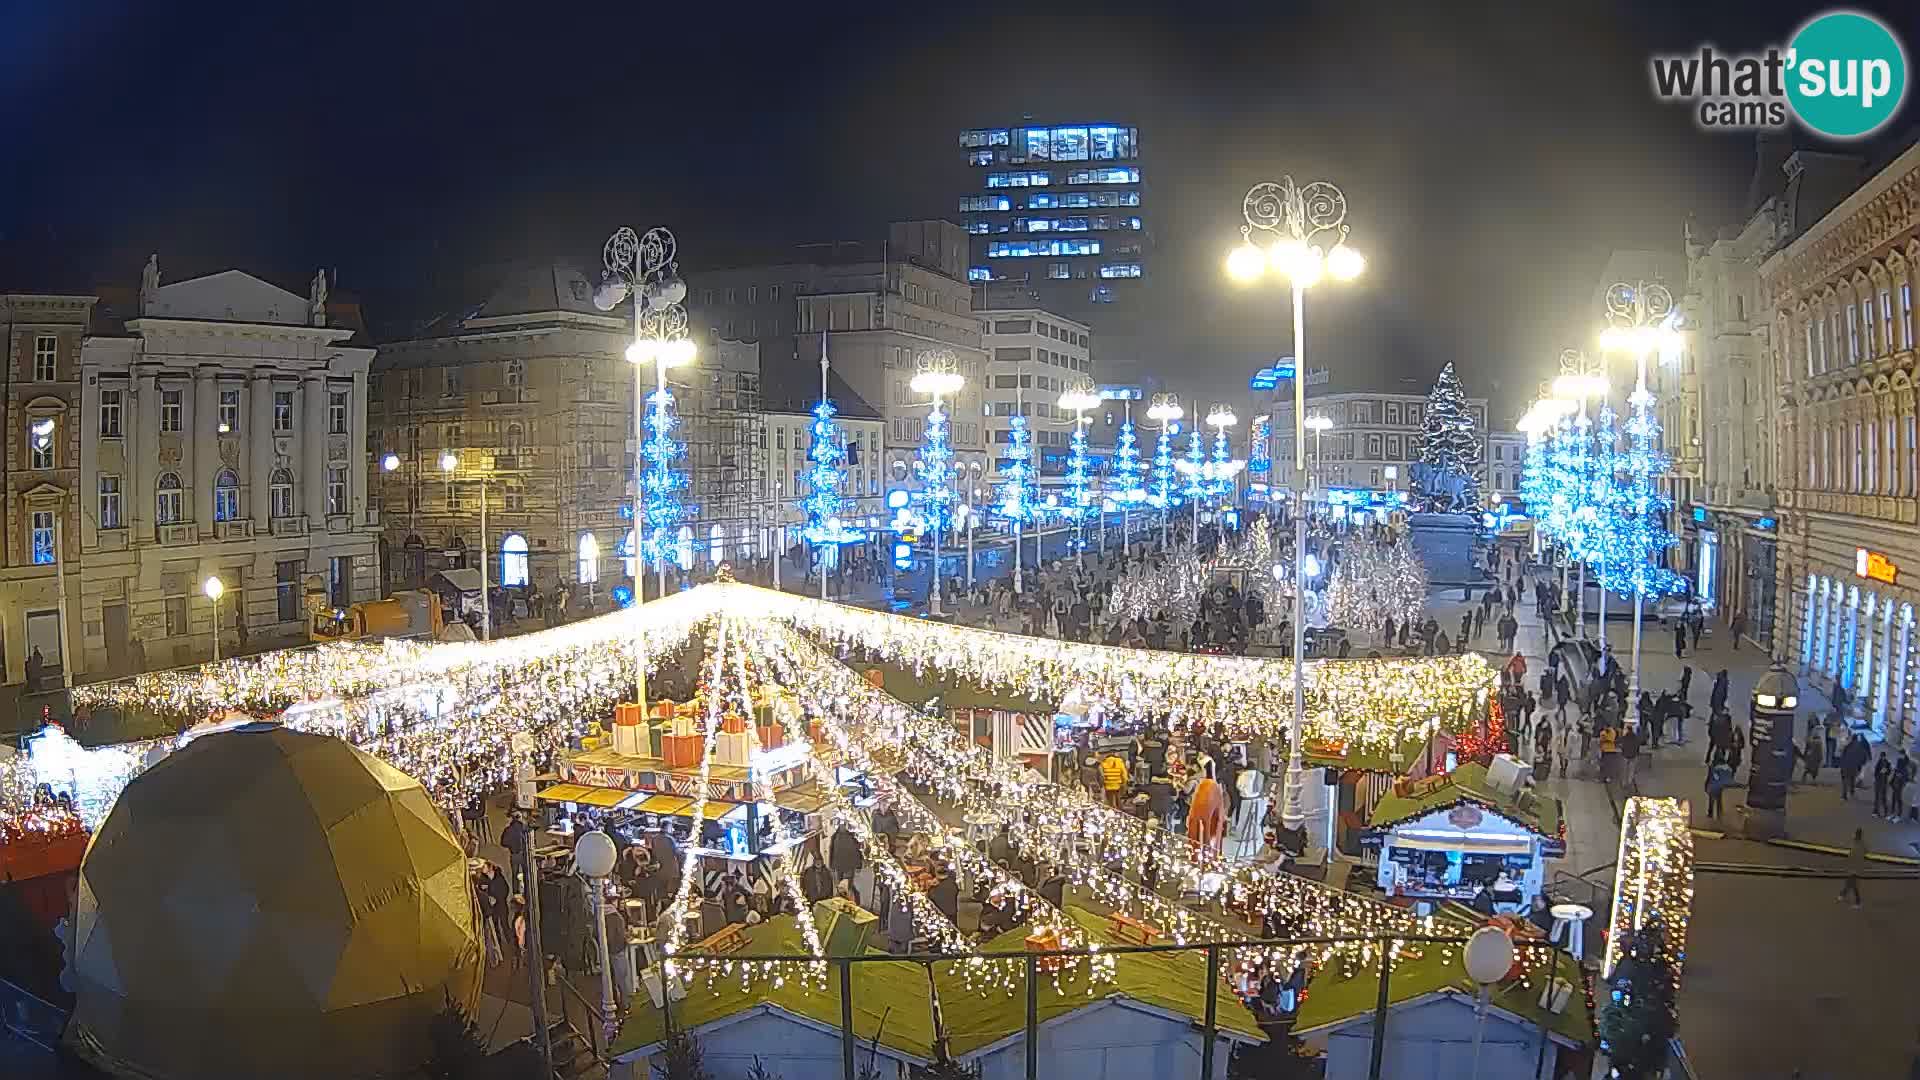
[1222,417]
[390,462]
[1319,423]
[1344,263]
[936,382]
[640,352]
[214,588]
[1246,263]
[678,353]
[448,462]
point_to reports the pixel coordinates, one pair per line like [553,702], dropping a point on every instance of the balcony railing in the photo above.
[296,525]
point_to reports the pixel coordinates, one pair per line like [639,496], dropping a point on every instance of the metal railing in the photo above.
[1209,1025]
[26,1016]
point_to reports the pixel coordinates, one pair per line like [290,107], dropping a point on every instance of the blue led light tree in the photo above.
[1194,468]
[1127,472]
[1018,500]
[1079,505]
[937,373]
[664,506]
[826,471]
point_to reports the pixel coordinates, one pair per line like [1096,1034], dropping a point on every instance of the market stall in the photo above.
[1451,836]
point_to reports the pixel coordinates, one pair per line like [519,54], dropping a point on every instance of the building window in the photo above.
[513,560]
[40,443]
[229,411]
[170,410]
[336,489]
[109,502]
[283,410]
[587,571]
[516,374]
[167,504]
[286,590]
[1853,334]
[109,414]
[280,494]
[176,608]
[1906,315]
[1887,338]
[452,385]
[46,353]
[42,537]
[336,412]
[226,496]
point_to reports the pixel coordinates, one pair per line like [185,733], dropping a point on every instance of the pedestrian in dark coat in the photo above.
[1718,700]
[845,856]
[1853,757]
[1679,640]
[1882,778]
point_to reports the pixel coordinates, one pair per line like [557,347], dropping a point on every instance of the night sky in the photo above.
[1492,155]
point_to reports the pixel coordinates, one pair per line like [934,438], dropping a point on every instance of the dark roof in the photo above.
[793,387]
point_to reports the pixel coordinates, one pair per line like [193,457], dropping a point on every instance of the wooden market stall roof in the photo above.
[896,993]
[1468,784]
[1333,998]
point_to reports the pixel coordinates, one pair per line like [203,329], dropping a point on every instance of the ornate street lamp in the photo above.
[1296,222]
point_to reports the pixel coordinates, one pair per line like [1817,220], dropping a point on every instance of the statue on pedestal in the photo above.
[317,299]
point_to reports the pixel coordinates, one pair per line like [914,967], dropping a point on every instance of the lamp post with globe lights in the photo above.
[937,373]
[644,268]
[1222,469]
[1319,425]
[594,856]
[1642,317]
[449,462]
[1298,220]
[215,589]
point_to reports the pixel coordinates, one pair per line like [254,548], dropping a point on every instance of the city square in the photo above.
[936,576]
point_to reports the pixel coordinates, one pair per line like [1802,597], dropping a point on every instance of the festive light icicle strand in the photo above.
[934,753]
[665,506]
[712,676]
[1371,704]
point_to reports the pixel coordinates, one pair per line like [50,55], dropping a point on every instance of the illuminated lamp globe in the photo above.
[1319,423]
[1246,263]
[1309,267]
[316,914]
[1165,411]
[936,382]
[595,854]
[449,462]
[214,588]
[642,351]
[678,353]
[609,293]
[1344,263]
[390,462]
[1221,416]
[1488,956]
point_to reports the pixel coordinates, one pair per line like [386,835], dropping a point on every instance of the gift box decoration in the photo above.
[662,710]
[682,751]
[733,724]
[732,748]
[816,731]
[685,725]
[772,736]
[656,736]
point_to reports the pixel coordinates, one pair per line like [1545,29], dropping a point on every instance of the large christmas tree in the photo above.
[1450,448]
[1638,1016]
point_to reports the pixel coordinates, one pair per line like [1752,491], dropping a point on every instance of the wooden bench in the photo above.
[729,938]
[1131,930]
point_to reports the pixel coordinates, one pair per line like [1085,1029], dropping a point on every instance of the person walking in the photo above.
[1679,640]
[1113,776]
[1856,862]
[1719,734]
[1719,778]
[1812,756]
[1609,754]
[1737,749]
[1852,759]
[1897,787]
[1882,778]
[1630,755]
[1831,730]
[1563,747]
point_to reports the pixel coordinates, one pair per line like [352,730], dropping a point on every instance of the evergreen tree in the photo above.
[1447,439]
[1638,1016]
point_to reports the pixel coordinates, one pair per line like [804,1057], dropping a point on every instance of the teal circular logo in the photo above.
[1846,75]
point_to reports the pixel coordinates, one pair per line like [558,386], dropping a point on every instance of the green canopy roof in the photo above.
[1174,982]
[1468,783]
[955,692]
[1333,999]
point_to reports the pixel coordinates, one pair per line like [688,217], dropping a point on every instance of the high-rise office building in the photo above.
[1054,216]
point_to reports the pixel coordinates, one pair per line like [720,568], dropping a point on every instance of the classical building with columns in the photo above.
[222,432]
[1840,298]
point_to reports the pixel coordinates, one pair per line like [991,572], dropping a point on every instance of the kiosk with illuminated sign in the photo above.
[1448,837]
[1875,566]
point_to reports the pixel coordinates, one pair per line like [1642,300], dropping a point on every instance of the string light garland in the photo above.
[1079,501]
[712,673]
[1164,495]
[1653,879]
[1371,704]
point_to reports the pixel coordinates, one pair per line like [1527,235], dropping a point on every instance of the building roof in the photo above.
[891,999]
[1468,784]
[1334,1001]
[794,387]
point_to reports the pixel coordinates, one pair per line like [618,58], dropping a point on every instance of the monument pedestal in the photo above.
[1444,543]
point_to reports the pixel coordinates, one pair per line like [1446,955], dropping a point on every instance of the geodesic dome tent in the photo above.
[265,902]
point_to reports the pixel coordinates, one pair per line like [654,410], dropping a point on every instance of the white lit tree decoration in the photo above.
[1449,449]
